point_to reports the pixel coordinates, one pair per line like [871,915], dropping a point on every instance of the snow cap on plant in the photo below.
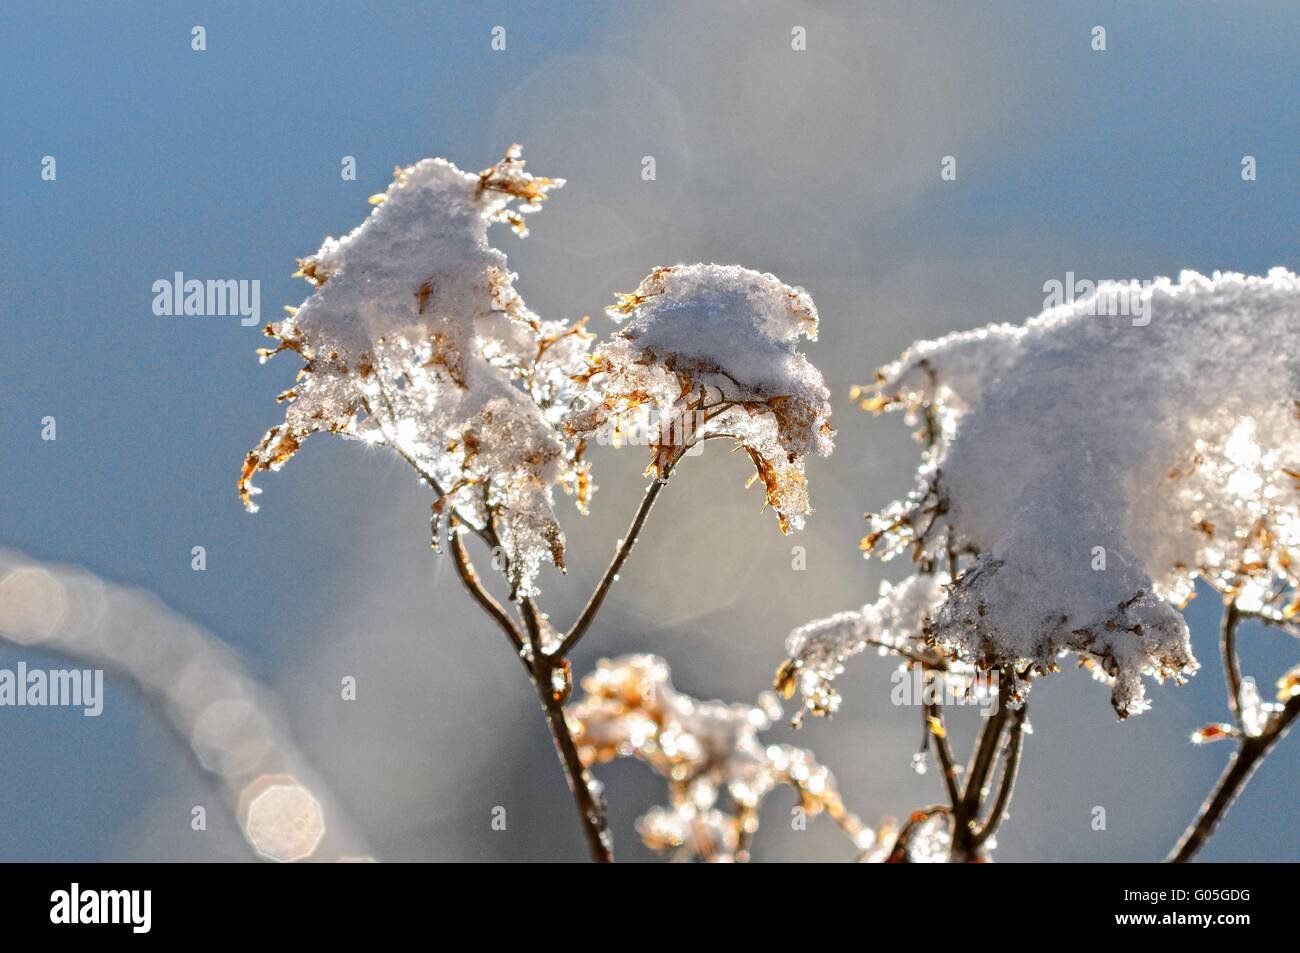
[1095,466]
[712,350]
[415,338]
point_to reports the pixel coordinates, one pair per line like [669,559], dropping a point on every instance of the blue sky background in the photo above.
[821,166]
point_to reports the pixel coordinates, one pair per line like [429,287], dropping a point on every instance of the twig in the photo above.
[474,585]
[1231,666]
[1244,761]
[541,669]
[1274,619]
[588,614]
[968,811]
[1264,613]
[591,808]
[982,760]
[540,664]
[942,748]
[943,751]
[1010,768]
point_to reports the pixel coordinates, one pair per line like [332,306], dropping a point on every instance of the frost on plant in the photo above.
[709,752]
[893,624]
[415,338]
[1092,468]
[710,350]
[924,839]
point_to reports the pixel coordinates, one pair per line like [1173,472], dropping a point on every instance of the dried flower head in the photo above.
[706,750]
[711,351]
[415,338]
[1094,466]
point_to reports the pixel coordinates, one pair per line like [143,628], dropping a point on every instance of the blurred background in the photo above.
[821,166]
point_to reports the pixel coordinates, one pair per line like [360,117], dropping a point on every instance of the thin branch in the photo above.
[1231,665]
[588,614]
[1275,619]
[982,760]
[532,625]
[942,751]
[540,667]
[968,811]
[474,585]
[1244,761]
[1010,768]
[1265,614]
[942,748]
[591,808]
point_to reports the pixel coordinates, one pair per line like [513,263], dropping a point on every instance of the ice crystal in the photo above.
[711,350]
[1092,465]
[1255,712]
[718,769]
[415,338]
[893,624]
[926,838]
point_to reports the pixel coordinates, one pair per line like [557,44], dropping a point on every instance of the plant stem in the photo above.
[542,666]
[591,808]
[1244,761]
[984,755]
[541,669]
[1231,666]
[474,585]
[588,614]
[943,752]
[967,812]
[1010,768]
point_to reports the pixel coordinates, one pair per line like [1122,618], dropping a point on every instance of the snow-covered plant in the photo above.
[1143,457]
[414,338]
[711,349]
[1083,470]
[708,751]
